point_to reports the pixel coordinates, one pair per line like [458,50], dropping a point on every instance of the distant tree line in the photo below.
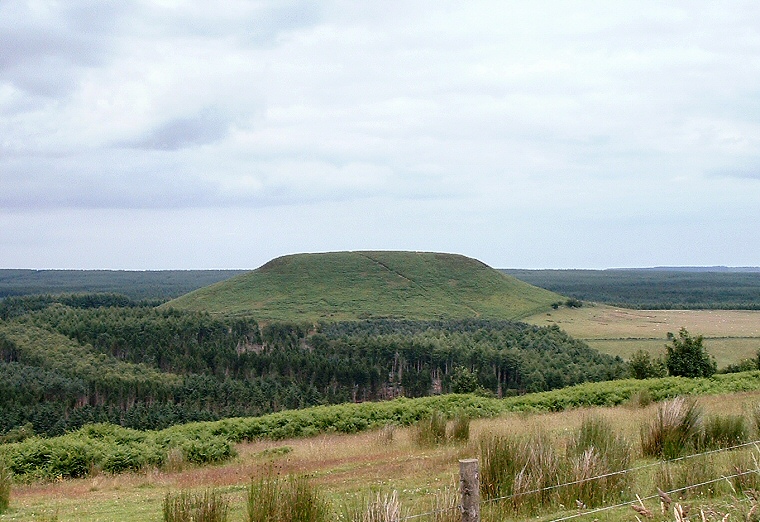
[65,362]
[653,289]
[135,284]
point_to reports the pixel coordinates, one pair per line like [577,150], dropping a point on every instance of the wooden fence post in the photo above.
[469,486]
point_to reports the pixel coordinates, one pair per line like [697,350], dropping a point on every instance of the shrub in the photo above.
[463,380]
[119,458]
[745,365]
[17,434]
[205,451]
[271,499]
[642,366]
[686,357]
[72,457]
[208,506]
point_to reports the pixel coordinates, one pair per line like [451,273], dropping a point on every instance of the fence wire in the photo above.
[755,443]
[650,497]
[623,471]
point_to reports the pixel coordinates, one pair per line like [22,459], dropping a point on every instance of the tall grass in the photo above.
[431,430]
[445,505]
[693,477]
[383,508]
[5,487]
[522,469]
[500,461]
[542,470]
[460,428]
[675,430]
[529,470]
[746,468]
[595,453]
[724,431]
[185,506]
[293,499]
[434,429]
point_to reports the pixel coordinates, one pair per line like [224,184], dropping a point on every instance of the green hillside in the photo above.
[358,285]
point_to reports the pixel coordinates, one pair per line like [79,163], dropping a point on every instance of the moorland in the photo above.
[348,355]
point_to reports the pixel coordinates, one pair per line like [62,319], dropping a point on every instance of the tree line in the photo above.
[67,363]
[654,289]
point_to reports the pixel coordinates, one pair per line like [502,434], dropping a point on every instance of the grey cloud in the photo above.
[108,179]
[43,63]
[265,27]
[739,173]
[206,127]
[257,25]
[41,54]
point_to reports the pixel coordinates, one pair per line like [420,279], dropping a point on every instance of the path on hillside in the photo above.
[413,282]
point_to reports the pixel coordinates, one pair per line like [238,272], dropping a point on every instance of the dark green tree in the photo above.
[463,380]
[686,357]
[643,366]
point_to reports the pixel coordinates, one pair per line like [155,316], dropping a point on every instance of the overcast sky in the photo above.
[526,134]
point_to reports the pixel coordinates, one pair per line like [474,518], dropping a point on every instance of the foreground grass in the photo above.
[344,467]
[730,335]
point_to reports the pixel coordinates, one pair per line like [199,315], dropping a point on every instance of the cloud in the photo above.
[206,127]
[525,118]
[45,45]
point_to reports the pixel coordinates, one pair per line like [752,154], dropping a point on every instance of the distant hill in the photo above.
[359,285]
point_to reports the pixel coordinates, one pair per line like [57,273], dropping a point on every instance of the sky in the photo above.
[543,134]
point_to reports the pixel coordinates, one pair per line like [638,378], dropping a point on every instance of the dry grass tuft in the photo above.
[294,499]
[431,431]
[184,506]
[384,508]
[675,431]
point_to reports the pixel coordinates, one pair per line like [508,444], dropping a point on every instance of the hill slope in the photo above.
[358,285]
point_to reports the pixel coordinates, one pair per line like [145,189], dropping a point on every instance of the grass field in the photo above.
[344,286]
[730,335]
[345,467]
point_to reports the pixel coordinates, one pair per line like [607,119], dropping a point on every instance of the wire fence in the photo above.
[586,512]
[650,497]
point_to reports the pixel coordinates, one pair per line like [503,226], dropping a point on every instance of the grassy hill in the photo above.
[359,285]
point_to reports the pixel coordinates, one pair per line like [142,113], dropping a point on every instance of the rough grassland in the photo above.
[359,285]
[730,335]
[345,467]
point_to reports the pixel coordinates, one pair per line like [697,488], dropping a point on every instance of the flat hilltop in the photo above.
[340,286]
